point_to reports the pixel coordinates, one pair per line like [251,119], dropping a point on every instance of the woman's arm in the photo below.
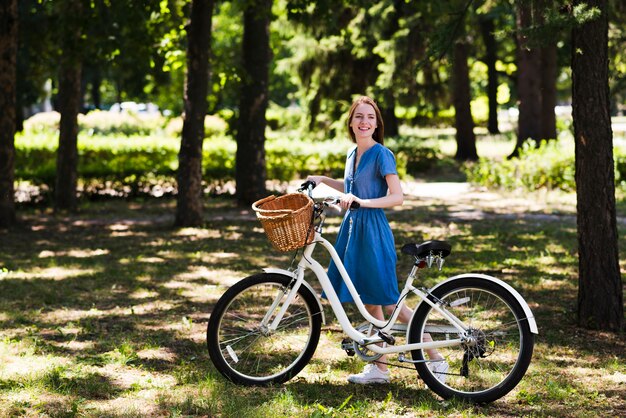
[395,197]
[335,184]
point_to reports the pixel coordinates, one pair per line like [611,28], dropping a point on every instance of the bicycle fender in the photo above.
[529,314]
[305,284]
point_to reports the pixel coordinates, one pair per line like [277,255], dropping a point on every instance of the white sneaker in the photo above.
[439,369]
[370,374]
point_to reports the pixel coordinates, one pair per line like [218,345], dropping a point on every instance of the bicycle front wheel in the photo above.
[241,345]
[499,343]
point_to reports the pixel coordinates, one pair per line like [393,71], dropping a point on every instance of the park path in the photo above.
[466,202]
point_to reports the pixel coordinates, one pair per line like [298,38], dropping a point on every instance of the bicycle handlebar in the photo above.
[309,185]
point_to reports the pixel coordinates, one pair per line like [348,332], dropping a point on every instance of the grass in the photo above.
[103,313]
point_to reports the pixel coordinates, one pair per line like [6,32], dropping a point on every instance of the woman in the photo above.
[365,242]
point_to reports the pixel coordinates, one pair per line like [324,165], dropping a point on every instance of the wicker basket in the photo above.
[286,220]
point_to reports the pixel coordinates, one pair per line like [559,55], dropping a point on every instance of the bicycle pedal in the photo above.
[348,346]
[388,338]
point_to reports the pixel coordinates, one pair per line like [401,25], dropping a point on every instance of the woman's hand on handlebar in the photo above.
[315,179]
[349,201]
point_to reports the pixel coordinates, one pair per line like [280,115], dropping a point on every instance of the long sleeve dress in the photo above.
[365,242]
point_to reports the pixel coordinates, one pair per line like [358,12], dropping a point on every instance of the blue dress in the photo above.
[365,243]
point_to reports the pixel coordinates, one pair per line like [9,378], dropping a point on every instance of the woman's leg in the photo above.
[405,316]
[377,312]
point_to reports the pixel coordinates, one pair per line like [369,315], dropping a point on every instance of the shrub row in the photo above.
[120,124]
[124,159]
[550,166]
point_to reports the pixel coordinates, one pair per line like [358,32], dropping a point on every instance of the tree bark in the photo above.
[8,81]
[548,92]
[464,123]
[491,55]
[69,106]
[250,167]
[189,200]
[600,299]
[528,79]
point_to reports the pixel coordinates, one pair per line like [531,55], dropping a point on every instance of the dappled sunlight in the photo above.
[162,354]
[51,273]
[617,378]
[40,399]
[143,294]
[77,253]
[198,233]
[126,377]
[148,307]
[211,258]
[135,404]
[119,227]
[18,361]
[221,277]
[64,315]
[126,336]
[124,233]
[150,260]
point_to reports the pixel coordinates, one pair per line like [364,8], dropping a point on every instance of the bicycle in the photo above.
[265,328]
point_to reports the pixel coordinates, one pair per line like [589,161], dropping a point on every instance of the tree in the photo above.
[600,299]
[8,65]
[463,121]
[189,200]
[69,106]
[549,68]
[250,170]
[528,76]
[487,28]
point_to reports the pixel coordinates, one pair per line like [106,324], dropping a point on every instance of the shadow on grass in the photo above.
[116,288]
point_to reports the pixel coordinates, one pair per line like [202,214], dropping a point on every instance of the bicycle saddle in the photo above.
[425,248]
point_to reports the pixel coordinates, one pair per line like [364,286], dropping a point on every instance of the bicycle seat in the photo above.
[425,248]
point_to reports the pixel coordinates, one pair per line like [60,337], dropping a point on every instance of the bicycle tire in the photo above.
[491,368]
[248,354]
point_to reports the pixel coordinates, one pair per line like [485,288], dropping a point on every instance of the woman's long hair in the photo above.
[379,132]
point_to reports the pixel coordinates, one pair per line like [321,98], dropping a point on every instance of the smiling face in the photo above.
[365,120]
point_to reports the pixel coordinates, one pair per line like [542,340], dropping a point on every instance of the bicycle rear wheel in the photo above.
[499,349]
[246,351]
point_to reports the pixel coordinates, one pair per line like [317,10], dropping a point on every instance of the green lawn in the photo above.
[104,313]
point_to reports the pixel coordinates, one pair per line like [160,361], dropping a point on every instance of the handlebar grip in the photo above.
[307,184]
[355,205]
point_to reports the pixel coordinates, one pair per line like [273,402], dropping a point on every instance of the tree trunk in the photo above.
[528,80]
[69,105]
[389,114]
[600,299]
[8,81]
[548,92]
[464,123]
[189,199]
[96,82]
[491,48]
[67,154]
[250,158]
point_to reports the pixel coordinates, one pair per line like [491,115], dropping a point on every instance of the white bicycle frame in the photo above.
[307,261]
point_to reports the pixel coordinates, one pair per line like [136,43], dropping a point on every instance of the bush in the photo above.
[44,122]
[549,166]
[99,122]
[213,126]
[412,156]
[124,160]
